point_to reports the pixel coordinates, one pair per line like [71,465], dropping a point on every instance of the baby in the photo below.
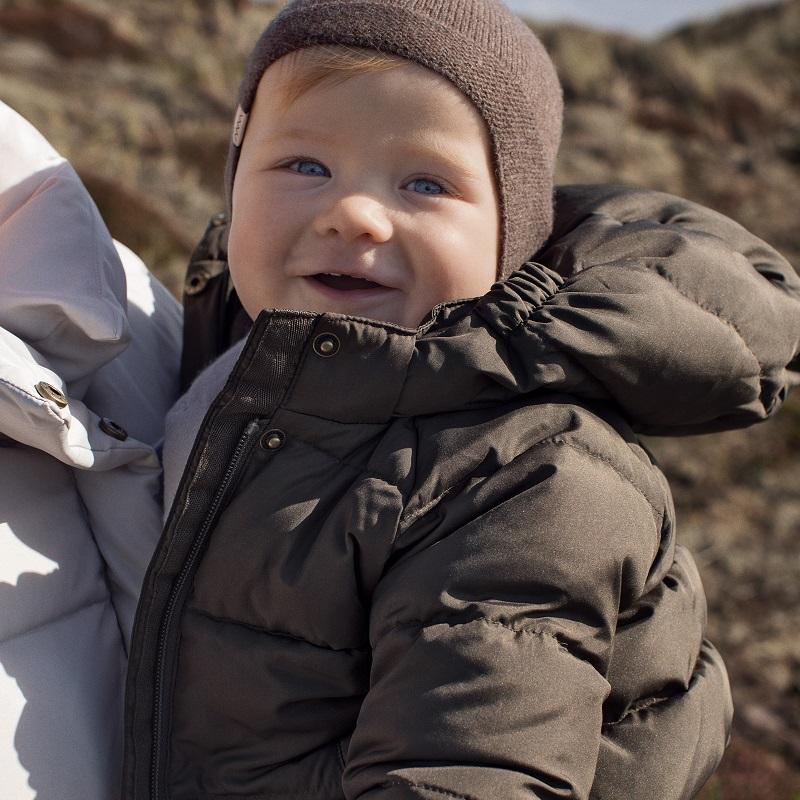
[416,550]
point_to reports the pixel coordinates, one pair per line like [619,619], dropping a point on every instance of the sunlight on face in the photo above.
[372,197]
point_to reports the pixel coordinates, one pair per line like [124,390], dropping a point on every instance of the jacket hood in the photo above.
[670,311]
[64,318]
[674,312]
[62,286]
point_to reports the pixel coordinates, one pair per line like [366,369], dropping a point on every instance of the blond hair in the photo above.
[312,66]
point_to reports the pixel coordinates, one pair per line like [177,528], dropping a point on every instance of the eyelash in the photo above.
[445,191]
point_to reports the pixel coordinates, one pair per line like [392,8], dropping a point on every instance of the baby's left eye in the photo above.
[427,186]
[316,169]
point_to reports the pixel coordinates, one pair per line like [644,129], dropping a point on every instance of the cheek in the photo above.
[255,205]
[467,259]
[474,277]
[483,245]
[240,250]
[249,259]
[448,277]
[255,234]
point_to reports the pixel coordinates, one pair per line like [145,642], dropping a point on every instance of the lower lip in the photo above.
[349,294]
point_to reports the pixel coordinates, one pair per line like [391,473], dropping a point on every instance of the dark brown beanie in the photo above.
[479,45]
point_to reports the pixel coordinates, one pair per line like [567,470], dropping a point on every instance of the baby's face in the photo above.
[384,179]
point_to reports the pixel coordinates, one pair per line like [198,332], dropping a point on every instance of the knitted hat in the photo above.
[480,46]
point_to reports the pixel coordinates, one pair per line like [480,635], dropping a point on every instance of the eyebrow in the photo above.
[440,153]
[298,133]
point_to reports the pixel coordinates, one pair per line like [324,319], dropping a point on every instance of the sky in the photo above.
[644,17]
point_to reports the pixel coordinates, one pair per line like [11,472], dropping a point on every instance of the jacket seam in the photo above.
[660,270]
[412,478]
[304,795]
[428,787]
[433,502]
[340,752]
[405,524]
[64,615]
[270,631]
[642,705]
[56,165]
[556,439]
[599,457]
[360,469]
[321,318]
[105,569]
[539,633]
[341,461]
[331,419]
[61,170]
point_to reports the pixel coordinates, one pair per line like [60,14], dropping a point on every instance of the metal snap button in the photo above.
[196,282]
[273,440]
[49,392]
[111,428]
[326,345]
[219,219]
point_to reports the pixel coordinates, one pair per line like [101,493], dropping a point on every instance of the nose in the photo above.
[354,215]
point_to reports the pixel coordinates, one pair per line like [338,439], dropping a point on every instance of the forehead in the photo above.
[406,95]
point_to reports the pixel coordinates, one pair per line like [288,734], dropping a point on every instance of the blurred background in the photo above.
[632,16]
[139,95]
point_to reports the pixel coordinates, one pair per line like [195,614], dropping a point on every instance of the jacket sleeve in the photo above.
[491,633]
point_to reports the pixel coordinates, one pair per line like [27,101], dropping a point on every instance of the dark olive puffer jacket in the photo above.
[437,563]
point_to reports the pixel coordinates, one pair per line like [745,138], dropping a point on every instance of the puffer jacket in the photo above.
[89,351]
[438,563]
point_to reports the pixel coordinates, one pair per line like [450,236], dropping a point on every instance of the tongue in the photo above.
[346,282]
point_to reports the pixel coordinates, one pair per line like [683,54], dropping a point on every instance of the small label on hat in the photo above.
[239,125]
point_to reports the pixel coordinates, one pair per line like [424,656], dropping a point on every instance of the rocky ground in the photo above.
[139,95]
[738,502]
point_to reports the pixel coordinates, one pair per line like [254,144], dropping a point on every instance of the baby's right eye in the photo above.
[300,166]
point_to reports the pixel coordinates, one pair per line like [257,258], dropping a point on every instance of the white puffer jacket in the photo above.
[89,352]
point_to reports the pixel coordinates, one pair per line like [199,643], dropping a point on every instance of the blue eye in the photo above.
[316,168]
[428,186]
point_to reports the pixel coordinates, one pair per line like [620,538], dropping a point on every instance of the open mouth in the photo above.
[345,283]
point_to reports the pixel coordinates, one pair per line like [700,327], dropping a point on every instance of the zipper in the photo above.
[243,447]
